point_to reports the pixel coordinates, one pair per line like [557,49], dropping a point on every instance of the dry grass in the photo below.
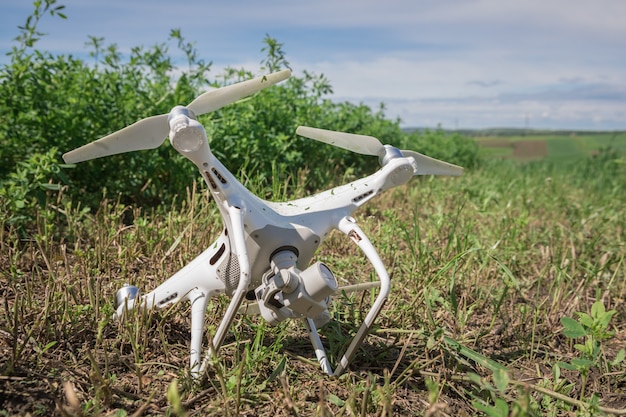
[484,267]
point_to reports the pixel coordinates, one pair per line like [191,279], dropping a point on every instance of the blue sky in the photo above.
[557,64]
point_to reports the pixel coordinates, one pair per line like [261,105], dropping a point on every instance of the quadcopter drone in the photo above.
[264,250]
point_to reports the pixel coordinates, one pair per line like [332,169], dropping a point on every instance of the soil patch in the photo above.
[530,149]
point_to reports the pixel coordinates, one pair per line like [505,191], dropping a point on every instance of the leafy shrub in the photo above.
[29,187]
[58,103]
[64,102]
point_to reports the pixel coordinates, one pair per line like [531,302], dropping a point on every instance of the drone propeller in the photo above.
[369,145]
[150,133]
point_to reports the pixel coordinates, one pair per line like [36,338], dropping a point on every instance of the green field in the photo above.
[558,145]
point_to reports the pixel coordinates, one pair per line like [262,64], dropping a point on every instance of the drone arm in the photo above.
[236,216]
[348,226]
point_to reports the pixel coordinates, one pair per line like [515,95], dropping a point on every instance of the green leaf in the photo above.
[582,363]
[606,318]
[53,343]
[335,400]
[499,409]
[567,366]
[53,187]
[572,328]
[475,378]
[280,368]
[480,359]
[581,348]
[501,379]
[232,382]
[619,358]
[173,397]
[598,309]
[586,320]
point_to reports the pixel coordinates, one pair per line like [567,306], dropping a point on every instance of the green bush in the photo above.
[55,103]
[29,188]
[64,102]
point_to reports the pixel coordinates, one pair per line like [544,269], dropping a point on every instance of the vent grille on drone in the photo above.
[229,273]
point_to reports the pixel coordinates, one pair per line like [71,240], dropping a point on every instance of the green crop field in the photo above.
[556,145]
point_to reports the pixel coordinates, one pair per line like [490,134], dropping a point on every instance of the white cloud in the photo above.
[467,62]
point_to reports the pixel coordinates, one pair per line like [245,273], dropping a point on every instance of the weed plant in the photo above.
[507,299]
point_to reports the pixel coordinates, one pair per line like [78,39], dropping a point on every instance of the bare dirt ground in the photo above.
[530,149]
[523,150]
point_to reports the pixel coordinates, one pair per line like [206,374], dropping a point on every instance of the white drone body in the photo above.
[265,249]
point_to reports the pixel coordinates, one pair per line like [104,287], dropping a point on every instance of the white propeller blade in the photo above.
[368,145]
[216,99]
[431,166]
[150,133]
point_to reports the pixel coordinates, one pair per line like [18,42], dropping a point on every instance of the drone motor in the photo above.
[125,294]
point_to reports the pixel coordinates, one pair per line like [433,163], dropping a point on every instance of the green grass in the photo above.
[485,269]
